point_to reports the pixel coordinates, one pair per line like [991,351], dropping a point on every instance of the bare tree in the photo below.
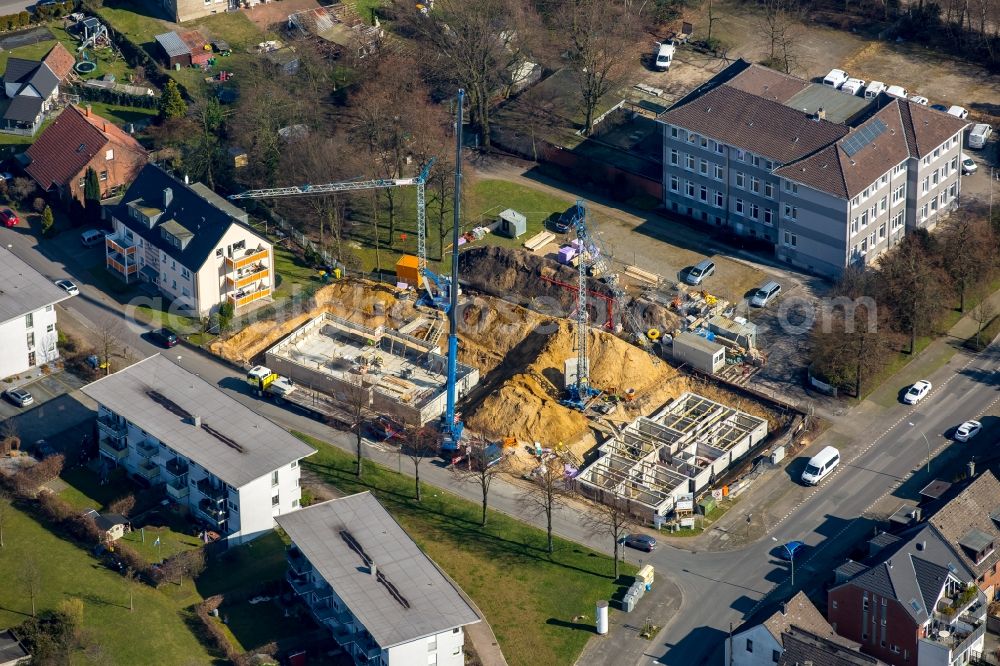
[9,439]
[131,582]
[358,401]
[5,510]
[123,505]
[983,314]
[109,341]
[545,492]
[778,30]
[186,564]
[421,443]
[911,284]
[601,38]
[483,462]
[612,518]
[30,577]
[967,252]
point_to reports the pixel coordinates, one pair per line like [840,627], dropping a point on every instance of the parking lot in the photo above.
[43,389]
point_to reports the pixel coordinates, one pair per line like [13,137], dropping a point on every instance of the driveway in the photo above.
[22,37]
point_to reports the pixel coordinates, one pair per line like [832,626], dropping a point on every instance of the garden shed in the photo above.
[511,224]
[174,50]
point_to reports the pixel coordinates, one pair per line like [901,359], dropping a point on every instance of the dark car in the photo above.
[641,542]
[8,217]
[792,550]
[384,429]
[165,337]
[565,221]
[940,107]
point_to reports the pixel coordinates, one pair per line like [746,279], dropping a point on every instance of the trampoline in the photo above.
[85,67]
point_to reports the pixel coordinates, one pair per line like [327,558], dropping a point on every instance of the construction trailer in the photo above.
[699,352]
[399,375]
[654,462]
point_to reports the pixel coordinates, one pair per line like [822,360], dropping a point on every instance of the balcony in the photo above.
[177,467]
[242,297]
[111,427]
[364,648]
[247,276]
[213,494]
[147,449]
[301,583]
[250,257]
[959,636]
[148,470]
[124,267]
[322,591]
[215,513]
[177,489]
[116,449]
[297,562]
[118,244]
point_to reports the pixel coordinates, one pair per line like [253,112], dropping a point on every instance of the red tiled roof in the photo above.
[60,61]
[69,143]
[761,126]
[930,127]
[768,83]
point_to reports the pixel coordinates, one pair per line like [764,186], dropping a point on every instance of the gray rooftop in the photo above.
[976,540]
[10,649]
[839,106]
[233,443]
[221,203]
[23,289]
[432,603]
[173,45]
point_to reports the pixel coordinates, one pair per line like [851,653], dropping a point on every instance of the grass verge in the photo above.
[529,597]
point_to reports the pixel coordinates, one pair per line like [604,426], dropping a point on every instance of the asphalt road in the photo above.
[718,588]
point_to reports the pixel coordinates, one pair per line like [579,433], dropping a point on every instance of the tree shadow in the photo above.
[579,626]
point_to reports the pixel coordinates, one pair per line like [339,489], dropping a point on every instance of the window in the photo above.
[791,187]
[103,175]
[740,155]
[48,308]
[754,211]
[854,226]
[82,183]
[755,160]
[689,161]
[749,645]
[769,190]
[873,212]
[854,201]
[31,339]
[952,190]
[295,503]
[718,171]
[719,148]
[898,194]
[673,132]
[673,185]
[791,212]
[674,156]
[754,184]
[864,219]
[218,252]
[791,240]
[883,204]
[884,179]
[719,200]
[768,216]
[295,463]
[692,137]
[897,220]
[703,142]
[704,193]
[274,478]
[31,359]
[881,231]
[776,656]
[175,284]
[937,153]
[740,179]
[898,169]
[109,154]
[923,212]
[954,164]
[834,605]
[703,167]
[925,186]
[233,506]
[739,206]
[689,188]
[50,328]
[29,320]
[768,164]
[185,292]
[276,500]
[934,177]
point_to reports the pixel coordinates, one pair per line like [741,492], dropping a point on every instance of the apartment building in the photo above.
[825,178]
[384,601]
[28,332]
[191,243]
[232,469]
[919,604]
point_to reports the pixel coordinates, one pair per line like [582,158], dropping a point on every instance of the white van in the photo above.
[897,91]
[821,465]
[853,86]
[979,135]
[958,111]
[835,78]
[665,55]
[873,89]
[91,237]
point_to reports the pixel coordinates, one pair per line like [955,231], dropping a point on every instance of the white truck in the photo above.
[664,55]
[873,89]
[281,389]
[836,78]
[853,86]
[897,91]
[979,135]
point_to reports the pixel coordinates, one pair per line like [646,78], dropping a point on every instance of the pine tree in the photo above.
[92,196]
[172,105]
[47,220]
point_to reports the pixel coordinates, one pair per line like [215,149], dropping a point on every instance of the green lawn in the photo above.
[529,597]
[122,115]
[291,271]
[259,561]
[156,626]
[234,27]
[173,533]
[85,491]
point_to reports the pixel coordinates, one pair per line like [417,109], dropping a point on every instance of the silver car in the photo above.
[19,397]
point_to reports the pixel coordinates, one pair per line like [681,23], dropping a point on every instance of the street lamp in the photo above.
[928,443]
[791,557]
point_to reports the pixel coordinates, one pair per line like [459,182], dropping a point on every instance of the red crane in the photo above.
[609,322]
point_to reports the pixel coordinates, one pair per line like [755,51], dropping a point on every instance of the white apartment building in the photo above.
[188,241]
[28,332]
[824,178]
[384,601]
[233,469]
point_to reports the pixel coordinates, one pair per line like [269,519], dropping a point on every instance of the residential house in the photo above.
[12,652]
[187,10]
[825,178]
[188,241]
[918,604]
[229,467]
[803,647]
[383,600]
[78,140]
[970,522]
[32,88]
[28,332]
[60,61]
[762,644]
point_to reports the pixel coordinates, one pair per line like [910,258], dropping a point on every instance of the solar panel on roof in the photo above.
[866,134]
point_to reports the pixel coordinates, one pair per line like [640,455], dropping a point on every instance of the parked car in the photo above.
[897,91]
[19,397]
[792,550]
[765,294]
[919,99]
[940,107]
[836,78]
[664,56]
[969,165]
[7,177]
[565,221]
[91,237]
[917,392]
[641,542]
[9,218]
[967,431]
[958,111]
[853,86]
[68,287]
[821,466]
[165,337]
[697,273]
[873,89]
